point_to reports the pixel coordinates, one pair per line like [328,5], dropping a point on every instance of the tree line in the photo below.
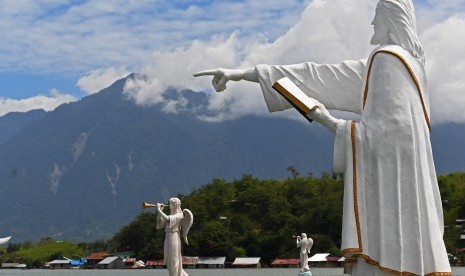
[258,218]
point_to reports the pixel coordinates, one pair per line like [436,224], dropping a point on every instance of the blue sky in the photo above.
[63,50]
[50,44]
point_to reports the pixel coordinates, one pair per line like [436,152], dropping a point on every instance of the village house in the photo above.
[211,262]
[247,262]
[94,258]
[111,263]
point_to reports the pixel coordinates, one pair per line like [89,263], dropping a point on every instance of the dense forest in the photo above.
[258,217]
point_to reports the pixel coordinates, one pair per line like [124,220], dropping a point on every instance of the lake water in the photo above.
[192,272]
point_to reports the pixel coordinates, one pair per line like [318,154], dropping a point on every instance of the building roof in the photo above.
[129,260]
[97,256]
[9,265]
[189,260]
[60,262]
[246,261]
[321,257]
[155,262]
[108,260]
[286,262]
[211,260]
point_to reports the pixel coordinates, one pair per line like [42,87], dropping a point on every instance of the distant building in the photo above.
[286,263]
[13,266]
[189,262]
[111,263]
[60,264]
[211,262]
[251,262]
[155,264]
[325,260]
[94,258]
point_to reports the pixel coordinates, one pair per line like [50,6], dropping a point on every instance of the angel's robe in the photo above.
[305,246]
[392,216]
[172,245]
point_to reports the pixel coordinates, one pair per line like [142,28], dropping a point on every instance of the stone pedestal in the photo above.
[306,273]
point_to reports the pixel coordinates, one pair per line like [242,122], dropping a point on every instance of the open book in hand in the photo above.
[296,97]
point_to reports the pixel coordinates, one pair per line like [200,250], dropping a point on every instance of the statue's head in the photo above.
[303,236]
[395,23]
[175,205]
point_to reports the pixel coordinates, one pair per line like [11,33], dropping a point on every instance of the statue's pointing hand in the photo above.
[221,77]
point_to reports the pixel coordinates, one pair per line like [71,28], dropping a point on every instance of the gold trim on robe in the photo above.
[351,258]
[415,80]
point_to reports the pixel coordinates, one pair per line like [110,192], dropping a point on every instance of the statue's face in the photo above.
[380,26]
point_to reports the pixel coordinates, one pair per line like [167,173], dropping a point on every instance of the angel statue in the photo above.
[305,244]
[178,220]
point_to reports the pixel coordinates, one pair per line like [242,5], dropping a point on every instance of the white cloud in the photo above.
[316,36]
[169,40]
[70,37]
[98,79]
[47,103]
[175,68]
[446,69]
[327,32]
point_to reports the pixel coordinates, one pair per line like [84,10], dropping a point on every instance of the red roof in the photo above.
[97,256]
[155,262]
[189,260]
[286,262]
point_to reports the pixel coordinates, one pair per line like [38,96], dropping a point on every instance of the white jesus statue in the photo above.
[392,218]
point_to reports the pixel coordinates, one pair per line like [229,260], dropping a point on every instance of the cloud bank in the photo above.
[167,41]
[98,79]
[327,32]
[45,102]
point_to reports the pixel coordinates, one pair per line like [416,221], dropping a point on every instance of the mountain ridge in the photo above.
[82,170]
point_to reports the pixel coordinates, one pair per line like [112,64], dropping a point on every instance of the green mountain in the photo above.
[83,170]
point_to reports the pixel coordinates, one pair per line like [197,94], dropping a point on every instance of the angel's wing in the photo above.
[186,223]
[309,245]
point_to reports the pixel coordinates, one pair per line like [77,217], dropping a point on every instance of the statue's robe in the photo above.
[392,220]
[172,245]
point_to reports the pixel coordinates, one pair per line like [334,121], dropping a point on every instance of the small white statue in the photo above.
[177,221]
[305,244]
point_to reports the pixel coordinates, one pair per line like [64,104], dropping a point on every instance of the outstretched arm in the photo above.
[221,76]
[337,86]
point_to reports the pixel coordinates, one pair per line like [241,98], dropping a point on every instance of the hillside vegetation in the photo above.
[257,217]
[249,217]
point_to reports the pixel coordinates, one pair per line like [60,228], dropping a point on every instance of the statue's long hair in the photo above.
[402,25]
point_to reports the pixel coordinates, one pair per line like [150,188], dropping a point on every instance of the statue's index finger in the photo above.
[206,73]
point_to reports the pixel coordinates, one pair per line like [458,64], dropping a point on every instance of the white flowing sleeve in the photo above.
[337,86]
[160,222]
[340,147]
